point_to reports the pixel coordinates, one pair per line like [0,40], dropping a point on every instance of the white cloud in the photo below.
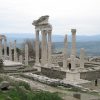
[84,15]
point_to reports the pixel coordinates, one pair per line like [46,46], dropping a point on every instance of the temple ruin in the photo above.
[74,70]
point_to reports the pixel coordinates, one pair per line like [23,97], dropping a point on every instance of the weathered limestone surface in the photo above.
[26,54]
[73,42]
[72,76]
[82,55]
[65,53]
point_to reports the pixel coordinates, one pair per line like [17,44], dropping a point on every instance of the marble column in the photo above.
[0,48]
[73,64]
[73,42]
[15,52]
[20,59]
[82,56]
[43,47]
[37,47]
[10,51]
[65,53]
[5,48]
[26,54]
[49,47]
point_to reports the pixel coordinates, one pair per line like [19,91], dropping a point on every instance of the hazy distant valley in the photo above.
[90,43]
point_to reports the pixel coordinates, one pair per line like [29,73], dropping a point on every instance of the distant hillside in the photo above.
[90,43]
[56,38]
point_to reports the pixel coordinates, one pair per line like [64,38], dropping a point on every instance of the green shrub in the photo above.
[26,85]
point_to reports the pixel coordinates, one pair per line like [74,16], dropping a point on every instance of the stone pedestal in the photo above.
[73,64]
[72,76]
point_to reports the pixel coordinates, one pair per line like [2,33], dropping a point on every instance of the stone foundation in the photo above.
[53,73]
[91,75]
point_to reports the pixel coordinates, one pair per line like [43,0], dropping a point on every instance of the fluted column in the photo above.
[65,53]
[43,47]
[15,52]
[26,54]
[0,48]
[82,55]
[49,46]
[73,42]
[73,64]
[37,46]
[5,48]
[10,51]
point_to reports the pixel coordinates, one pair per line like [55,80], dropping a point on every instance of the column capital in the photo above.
[49,31]
[73,30]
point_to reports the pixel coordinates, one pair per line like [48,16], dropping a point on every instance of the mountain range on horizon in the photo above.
[55,38]
[90,43]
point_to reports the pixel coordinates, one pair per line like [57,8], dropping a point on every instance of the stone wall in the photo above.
[52,73]
[90,75]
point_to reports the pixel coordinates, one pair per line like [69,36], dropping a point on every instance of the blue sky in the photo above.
[16,16]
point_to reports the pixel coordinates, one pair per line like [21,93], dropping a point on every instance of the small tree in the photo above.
[31,47]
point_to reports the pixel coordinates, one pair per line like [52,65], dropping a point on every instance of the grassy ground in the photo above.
[22,91]
[19,93]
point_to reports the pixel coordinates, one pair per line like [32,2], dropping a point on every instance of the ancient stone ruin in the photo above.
[74,70]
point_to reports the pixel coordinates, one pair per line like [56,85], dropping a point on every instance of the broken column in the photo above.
[26,54]
[15,52]
[5,48]
[73,42]
[10,51]
[82,55]
[65,53]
